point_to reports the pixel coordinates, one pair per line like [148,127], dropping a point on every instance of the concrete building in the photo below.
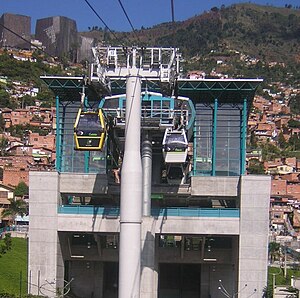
[20,25]
[206,233]
[58,35]
[85,50]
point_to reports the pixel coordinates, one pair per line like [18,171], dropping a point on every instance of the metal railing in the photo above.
[114,212]
[17,228]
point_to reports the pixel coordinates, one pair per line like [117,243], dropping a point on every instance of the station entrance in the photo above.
[179,280]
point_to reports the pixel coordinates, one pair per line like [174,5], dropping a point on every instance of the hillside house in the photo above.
[6,193]
[39,141]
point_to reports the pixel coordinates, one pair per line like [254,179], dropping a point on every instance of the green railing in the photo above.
[156,212]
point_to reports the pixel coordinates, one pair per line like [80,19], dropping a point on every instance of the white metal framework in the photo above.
[152,63]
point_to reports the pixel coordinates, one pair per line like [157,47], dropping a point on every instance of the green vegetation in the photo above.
[21,189]
[16,207]
[5,101]
[24,70]
[295,104]
[13,265]
[268,33]
[255,167]
[4,247]
[20,130]
[277,274]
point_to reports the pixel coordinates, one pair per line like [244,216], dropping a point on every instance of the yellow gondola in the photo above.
[89,130]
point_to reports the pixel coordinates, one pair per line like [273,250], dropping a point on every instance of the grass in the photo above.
[279,275]
[12,264]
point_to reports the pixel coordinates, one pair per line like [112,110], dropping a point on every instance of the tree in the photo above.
[295,104]
[253,140]
[274,251]
[21,189]
[16,207]
[4,99]
[27,100]
[270,151]
[294,142]
[255,167]
[294,123]
[281,140]
[8,241]
[2,123]
[3,146]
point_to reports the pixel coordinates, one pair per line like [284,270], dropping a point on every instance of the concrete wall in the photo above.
[19,24]
[76,183]
[58,34]
[167,225]
[215,186]
[246,263]
[46,268]
[254,226]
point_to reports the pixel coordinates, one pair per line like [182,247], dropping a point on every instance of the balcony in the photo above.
[114,212]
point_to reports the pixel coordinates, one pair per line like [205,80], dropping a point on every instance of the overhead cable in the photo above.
[173,21]
[172,11]
[128,19]
[95,12]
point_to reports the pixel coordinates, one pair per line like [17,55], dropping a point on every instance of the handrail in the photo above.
[114,212]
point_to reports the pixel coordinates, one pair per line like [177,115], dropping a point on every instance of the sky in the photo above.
[146,13]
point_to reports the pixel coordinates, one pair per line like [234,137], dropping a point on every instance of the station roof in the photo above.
[69,88]
[198,90]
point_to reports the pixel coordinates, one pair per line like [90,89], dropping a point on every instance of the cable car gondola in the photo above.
[89,130]
[175,146]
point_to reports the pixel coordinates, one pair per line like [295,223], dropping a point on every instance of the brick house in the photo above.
[278,187]
[20,117]
[13,175]
[47,141]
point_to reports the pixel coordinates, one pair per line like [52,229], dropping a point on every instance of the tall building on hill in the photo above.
[85,48]
[58,35]
[20,25]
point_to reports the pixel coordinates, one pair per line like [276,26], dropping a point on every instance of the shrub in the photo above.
[8,241]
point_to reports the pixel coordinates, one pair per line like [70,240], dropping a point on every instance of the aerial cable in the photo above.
[95,12]
[173,21]
[24,39]
[128,19]
[172,11]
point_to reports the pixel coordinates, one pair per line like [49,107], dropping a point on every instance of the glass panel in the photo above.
[89,124]
[203,140]
[228,143]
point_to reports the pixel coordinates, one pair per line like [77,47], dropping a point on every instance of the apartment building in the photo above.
[204,224]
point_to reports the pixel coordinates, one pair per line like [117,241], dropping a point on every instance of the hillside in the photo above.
[269,34]
[263,31]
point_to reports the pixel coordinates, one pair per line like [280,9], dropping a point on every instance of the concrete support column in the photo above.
[131,195]
[254,225]
[147,173]
[149,266]
[45,262]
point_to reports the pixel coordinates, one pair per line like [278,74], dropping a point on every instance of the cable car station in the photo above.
[150,197]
